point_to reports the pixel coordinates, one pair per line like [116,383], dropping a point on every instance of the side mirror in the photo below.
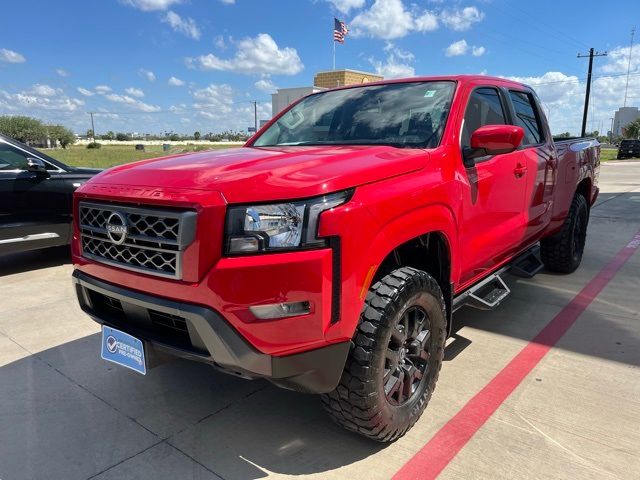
[36,165]
[492,140]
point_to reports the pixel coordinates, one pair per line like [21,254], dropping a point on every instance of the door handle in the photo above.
[520,170]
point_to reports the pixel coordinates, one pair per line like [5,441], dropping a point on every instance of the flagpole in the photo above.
[334,54]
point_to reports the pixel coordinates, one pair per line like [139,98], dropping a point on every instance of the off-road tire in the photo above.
[359,402]
[562,253]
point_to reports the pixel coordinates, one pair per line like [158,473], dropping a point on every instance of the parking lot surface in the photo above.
[66,414]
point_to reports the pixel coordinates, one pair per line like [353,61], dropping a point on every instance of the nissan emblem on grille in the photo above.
[117,228]
[151,240]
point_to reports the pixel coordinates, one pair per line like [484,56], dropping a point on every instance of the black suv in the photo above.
[36,193]
[629,149]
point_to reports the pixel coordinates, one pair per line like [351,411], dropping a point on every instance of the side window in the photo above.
[12,158]
[527,117]
[484,108]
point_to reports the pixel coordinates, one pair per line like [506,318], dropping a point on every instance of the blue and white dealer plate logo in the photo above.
[123,349]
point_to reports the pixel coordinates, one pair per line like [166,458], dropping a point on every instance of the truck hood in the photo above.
[259,174]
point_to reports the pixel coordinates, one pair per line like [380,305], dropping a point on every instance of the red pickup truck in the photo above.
[330,252]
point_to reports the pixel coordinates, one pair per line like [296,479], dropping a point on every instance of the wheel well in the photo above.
[430,253]
[584,189]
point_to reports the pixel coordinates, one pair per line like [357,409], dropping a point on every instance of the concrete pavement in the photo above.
[65,413]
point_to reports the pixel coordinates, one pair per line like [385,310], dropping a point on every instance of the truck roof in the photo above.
[456,78]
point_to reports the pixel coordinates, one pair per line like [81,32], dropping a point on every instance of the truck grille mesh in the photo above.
[149,240]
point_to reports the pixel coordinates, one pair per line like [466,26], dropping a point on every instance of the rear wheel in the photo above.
[396,357]
[562,253]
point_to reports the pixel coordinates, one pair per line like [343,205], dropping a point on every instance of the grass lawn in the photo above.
[110,155]
[607,154]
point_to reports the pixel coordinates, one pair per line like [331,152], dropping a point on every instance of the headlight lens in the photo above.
[280,226]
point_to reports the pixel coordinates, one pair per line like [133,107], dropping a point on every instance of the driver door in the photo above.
[493,219]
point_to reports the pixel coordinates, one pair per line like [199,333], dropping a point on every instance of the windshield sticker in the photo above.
[429,93]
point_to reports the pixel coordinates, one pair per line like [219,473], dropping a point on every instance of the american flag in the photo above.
[340,30]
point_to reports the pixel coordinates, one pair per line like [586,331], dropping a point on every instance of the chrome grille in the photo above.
[154,239]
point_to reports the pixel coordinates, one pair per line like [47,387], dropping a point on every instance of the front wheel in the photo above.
[562,253]
[395,359]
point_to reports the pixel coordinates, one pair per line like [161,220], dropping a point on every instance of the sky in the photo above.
[155,66]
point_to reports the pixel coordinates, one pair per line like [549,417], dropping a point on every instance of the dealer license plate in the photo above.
[123,349]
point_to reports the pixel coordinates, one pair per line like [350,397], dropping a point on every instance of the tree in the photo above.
[174,137]
[122,136]
[89,133]
[24,129]
[109,135]
[632,130]
[196,135]
[62,134]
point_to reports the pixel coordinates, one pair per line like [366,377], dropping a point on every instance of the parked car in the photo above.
[36,197]
[329,254]
[629,149]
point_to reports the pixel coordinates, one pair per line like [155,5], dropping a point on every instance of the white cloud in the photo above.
[10,56]
[134,92]
[220,42]
[102,89]
[62,72]
[148,74]
[457,48]
[45,90]
[617,60]
[132,102]
[150,5]
[39,98]
[345,6]
[175,82]
[228,2]
[85,92]
[562,95]
[463,19]
[461,47]
[214,101]
[186,26]
[397,63]
[265,85]
[253,56]
[389,19]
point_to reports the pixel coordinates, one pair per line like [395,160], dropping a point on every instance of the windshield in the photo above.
[399,114]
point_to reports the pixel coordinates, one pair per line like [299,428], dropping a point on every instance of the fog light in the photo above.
[280,310]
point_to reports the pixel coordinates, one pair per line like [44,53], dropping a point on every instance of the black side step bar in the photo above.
[528,264]
[485,295]
[492,290]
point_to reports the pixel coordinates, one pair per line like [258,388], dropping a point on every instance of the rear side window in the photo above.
[527,117]
[484,108]
[12,158]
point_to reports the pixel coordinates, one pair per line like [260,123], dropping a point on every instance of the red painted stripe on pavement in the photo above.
[454,435]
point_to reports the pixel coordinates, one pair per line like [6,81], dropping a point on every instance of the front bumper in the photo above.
[200,333]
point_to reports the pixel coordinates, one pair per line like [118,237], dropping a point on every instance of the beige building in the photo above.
[339,78]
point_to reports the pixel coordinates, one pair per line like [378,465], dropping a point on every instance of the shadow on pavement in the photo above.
[34,260]
[66,413]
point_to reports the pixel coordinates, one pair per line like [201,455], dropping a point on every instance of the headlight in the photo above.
[278,226]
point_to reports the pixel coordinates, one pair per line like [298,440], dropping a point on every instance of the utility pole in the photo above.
[255,116]
[626,88]
[93,129]
[591,54]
